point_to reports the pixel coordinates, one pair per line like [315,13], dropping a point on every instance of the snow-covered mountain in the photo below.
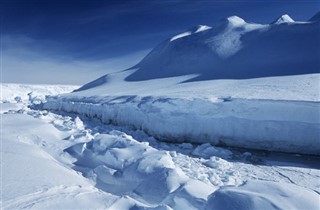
[235,49]
[232,99]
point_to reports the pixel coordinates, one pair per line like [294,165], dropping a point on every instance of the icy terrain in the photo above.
[238,84]
[183,129]
[60,161]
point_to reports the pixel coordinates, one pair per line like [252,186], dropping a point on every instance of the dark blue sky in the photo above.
[100,29]
[95,30]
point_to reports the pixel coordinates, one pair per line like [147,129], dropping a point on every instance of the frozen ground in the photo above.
[64,161]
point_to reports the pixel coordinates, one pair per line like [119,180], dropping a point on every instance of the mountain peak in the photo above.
[235,20]
[283,19]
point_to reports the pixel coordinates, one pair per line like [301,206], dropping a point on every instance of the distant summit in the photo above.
[283,19]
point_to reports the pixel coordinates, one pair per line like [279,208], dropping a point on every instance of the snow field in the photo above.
[124,169]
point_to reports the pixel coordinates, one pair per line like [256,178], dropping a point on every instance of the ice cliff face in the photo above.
[235,49]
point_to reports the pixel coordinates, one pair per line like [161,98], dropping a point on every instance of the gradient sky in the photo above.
[74,41]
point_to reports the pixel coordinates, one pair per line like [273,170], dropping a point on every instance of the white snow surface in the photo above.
[64,161]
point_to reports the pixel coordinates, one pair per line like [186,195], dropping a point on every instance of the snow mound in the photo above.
[263,195]
[283,19]
[123,166]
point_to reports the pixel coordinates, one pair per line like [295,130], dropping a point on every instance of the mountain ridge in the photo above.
[235,49]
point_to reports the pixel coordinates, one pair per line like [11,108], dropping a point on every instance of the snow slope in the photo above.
[174,93]
[60,161]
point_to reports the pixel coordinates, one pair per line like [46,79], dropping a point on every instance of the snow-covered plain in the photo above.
[60,161]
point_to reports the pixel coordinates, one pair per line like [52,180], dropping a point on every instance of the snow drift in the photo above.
[273,113]
[263,195]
